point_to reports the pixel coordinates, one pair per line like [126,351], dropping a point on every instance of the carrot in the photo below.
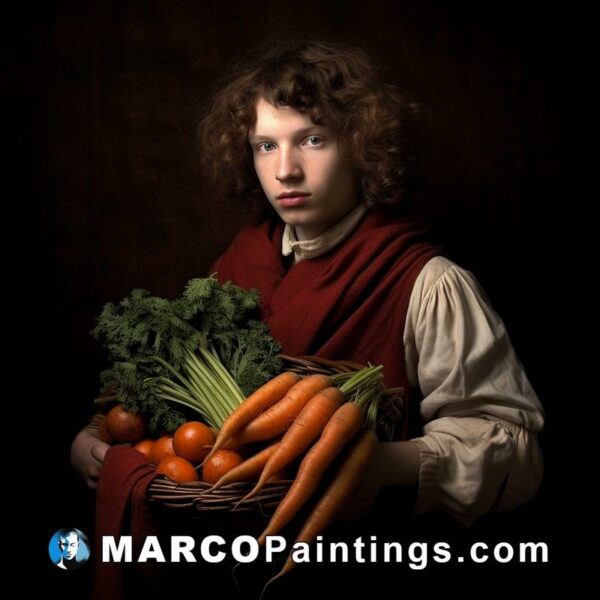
[304,430]
[263,398]
[248,470]
[342,427]
[337,493]
[281,415]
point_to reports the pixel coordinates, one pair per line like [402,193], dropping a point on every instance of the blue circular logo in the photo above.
[69,549]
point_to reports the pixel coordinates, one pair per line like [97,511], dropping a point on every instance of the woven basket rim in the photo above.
[194,496]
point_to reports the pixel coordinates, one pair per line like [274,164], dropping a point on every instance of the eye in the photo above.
[265,147]
[314,140]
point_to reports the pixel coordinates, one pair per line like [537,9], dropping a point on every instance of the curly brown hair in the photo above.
[336,85]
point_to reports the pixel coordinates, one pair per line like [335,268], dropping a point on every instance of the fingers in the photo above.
[98,451]
[92,477]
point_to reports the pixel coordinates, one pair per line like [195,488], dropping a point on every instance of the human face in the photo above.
[292,154]
[69,546]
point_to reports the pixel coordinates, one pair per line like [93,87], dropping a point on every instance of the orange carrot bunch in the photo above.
[310,416]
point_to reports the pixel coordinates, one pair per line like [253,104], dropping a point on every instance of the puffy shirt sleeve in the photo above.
[479,451]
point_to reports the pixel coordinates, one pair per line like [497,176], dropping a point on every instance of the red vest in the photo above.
[349,303]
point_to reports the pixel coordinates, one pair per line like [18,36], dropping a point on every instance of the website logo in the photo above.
[69,549]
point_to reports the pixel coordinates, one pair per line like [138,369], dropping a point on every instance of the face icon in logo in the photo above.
[68,545]
[69,549]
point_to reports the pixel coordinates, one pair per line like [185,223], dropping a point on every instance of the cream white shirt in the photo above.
[479,450]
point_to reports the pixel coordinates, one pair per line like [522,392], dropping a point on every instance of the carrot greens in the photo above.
[205,350]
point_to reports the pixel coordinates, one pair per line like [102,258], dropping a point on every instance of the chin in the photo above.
[303,217]
[295,220]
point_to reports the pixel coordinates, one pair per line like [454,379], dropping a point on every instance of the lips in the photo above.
[290,199]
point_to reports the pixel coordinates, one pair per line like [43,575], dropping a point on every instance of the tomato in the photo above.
[124,426]
[219,463]
[145,447]
[162,448]
[193,441]
[178,469]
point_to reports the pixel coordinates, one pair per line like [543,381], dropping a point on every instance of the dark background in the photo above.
[107,190]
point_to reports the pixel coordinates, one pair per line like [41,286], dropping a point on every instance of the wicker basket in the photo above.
[192,498]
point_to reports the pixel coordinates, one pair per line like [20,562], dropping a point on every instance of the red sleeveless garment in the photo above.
[349,303]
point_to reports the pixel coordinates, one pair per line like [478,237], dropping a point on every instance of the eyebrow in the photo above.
[298,133]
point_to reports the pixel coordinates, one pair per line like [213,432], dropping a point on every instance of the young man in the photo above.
[345,273]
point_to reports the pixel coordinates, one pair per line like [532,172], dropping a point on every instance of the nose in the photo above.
[289,167]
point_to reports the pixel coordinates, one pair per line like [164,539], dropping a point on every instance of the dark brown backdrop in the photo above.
[108,95]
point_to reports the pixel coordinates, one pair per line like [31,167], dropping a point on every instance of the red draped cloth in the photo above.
[349,303]
[122,509]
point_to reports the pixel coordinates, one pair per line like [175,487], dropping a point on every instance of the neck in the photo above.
[309,233]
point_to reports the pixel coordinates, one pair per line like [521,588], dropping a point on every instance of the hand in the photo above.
[87,455]
[361,501]
[392,463]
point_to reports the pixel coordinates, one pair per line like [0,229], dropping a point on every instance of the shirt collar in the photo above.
[305,249]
